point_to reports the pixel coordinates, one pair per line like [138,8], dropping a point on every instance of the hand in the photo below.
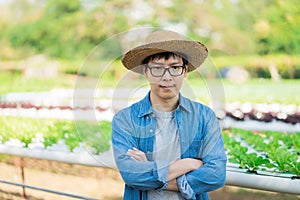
[136,154]
[173,186]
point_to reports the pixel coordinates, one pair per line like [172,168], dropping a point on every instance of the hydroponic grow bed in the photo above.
[261,160]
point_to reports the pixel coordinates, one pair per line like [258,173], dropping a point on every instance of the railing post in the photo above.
[22,164]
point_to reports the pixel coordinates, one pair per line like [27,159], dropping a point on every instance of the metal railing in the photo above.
[46,190]
[291,186]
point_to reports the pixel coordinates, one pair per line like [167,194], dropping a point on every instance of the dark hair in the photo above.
[166,56]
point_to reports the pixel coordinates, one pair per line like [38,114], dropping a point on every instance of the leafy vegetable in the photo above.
[282,159]
[94,135]
[275,150]
[252,162]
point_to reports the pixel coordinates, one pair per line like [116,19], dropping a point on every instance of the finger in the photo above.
[137,158]
[137,150]
[137,155]
[130,152]
[140,153]
[133,154]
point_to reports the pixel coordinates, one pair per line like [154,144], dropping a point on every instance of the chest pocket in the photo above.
[195,149]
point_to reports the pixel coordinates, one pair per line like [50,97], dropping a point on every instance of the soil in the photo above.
[92,182]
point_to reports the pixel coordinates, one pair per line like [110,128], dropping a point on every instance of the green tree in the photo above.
[67,29]
[278,30]
[56,8]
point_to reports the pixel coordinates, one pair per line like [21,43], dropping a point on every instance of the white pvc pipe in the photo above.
[263,182]
[235,176]
[254,125]
[83,158]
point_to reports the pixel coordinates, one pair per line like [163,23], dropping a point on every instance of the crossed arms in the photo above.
[140,172]
[177,167]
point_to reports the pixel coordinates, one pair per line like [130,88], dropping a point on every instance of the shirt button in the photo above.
[151,130]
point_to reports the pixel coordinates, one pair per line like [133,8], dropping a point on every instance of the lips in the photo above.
[166,86]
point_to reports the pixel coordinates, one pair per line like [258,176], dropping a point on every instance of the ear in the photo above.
[185,71]
[145,72]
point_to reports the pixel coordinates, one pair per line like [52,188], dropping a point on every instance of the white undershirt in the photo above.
[166,147]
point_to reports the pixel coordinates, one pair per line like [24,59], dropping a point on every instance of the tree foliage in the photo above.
[70,29]
[278,30]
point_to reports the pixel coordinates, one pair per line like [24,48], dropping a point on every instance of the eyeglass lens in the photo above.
[160,71]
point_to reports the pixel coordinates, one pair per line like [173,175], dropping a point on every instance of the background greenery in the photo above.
[252,34]
[254,90]
[263,27]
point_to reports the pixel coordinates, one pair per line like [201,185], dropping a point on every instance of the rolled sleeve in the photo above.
[162,173]
[185,189]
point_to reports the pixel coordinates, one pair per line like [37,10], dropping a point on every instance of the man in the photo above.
[167,146]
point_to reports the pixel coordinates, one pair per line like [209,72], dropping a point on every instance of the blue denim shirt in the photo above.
[200,137]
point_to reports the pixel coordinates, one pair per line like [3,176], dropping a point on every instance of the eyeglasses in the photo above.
[159,71]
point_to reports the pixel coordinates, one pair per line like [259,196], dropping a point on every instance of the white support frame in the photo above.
[234,175]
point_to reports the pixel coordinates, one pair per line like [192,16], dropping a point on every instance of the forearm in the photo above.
[209,177]
[180,168]
[140,173]
[183,166]
[144,175]
[176,168]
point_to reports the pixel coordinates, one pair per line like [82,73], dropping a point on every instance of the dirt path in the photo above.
[100,183]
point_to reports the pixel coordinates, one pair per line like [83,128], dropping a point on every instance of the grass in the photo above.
[14,82]
[285,91]
[264,91]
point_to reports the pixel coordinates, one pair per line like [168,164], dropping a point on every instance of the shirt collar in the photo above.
[146,108]
[184,103]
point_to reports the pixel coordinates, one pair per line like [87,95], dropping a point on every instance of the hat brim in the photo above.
[194,52]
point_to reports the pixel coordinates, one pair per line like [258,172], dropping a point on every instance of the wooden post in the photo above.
[22,164]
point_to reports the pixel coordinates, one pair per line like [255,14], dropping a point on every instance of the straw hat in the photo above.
[165,41]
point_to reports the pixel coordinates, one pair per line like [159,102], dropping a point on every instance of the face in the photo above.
[166,87]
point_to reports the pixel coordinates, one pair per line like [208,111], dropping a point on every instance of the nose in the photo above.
[167,75]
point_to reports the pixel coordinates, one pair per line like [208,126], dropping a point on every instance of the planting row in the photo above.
[264,112]
[57,135]
[247,111]
[253,151]
[27,105]
[264,151]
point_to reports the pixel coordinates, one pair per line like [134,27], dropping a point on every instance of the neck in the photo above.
[164,105]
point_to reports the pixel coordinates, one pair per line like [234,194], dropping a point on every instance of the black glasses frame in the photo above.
[166,69]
